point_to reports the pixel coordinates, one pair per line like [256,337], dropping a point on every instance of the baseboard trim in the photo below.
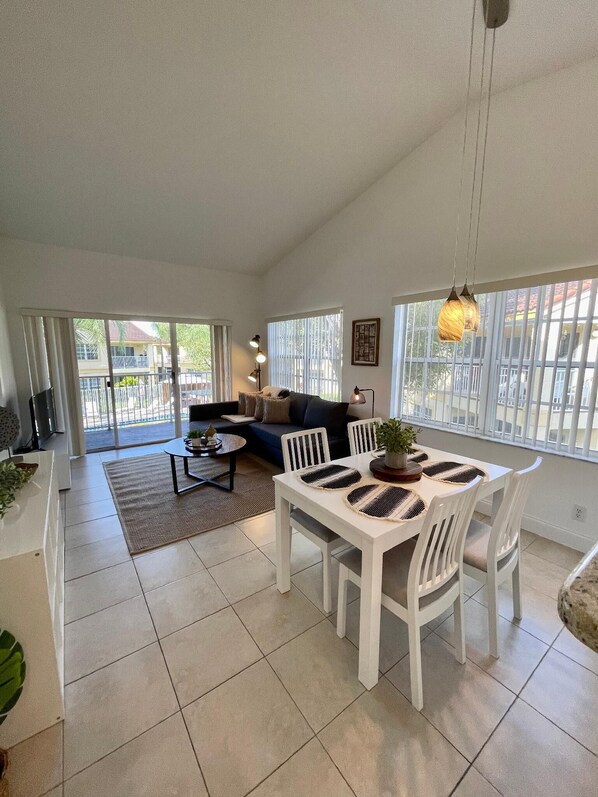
[578,542]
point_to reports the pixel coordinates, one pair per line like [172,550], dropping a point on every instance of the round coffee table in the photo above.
[231,443]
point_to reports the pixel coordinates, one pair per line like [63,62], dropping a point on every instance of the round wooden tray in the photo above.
[412,473]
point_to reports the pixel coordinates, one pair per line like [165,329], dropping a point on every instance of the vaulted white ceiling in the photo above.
[221,133]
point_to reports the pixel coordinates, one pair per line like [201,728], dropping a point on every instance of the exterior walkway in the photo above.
[135,434]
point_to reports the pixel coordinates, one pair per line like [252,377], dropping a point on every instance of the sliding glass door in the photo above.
[138,378]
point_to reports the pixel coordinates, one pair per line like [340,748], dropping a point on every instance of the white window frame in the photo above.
[305,376]
[539,380]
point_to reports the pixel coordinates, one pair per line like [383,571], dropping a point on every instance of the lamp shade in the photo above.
[260,357]
[253,375]
[255,341]
[471,310]
[451,319]
[357,397]
[9,427]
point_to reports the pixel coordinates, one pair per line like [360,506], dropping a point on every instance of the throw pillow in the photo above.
[329,414]
[242,403]
[250,404]
[276,410]
[259,407]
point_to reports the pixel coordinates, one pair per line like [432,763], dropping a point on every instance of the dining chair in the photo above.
[302,450]
[421,577]
[491,552]
[362,435]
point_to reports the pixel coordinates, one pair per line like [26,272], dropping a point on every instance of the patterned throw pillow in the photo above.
[242,403]
[250,404]
[276,410]
[259,407]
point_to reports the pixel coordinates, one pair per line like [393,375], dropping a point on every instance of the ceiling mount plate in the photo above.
[496,12]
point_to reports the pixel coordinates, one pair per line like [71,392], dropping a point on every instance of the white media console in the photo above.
[59,444]
[32,598]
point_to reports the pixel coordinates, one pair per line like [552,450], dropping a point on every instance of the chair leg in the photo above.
[459,636]
[341,616]
[516,578]
[415,667]
[492,618]
[326,582]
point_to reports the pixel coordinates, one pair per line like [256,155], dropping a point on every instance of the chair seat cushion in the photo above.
[475,553]
[311,524]
[395,573]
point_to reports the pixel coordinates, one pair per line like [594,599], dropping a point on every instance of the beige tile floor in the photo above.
[189,674]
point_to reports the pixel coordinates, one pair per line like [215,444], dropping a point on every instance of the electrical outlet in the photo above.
[579,513]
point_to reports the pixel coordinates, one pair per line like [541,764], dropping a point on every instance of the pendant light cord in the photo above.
[466,115]
[477,143]
[477,233]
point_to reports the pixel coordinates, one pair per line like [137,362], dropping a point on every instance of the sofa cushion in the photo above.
[299,402]
[329,414]
[241,403]
[276,410]
[271,433]
[259,407]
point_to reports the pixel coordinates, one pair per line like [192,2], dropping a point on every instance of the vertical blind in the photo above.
[529,376]
[305,354]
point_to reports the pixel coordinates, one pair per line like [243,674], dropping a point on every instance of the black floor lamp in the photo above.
[357,396]
[260,357]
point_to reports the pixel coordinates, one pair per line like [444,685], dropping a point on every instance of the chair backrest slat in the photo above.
[507,524]
[438,553]
[362,435]
[305,448]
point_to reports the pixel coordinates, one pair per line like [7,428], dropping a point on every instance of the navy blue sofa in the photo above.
[264,439]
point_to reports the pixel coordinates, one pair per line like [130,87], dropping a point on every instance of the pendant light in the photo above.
[452,320]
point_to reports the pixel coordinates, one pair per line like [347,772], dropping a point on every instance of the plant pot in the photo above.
[397,460]
[195,442]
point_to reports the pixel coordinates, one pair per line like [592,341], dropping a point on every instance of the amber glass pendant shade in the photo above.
[451,319]
[471,310]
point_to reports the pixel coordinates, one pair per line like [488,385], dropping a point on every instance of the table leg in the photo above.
[233,468]
[496,502]
[175,483]
[186,466]
[369,616]
[283,543]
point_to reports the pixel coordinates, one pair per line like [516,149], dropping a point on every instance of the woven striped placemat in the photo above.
[386,502]
[330,477]
[417,456]
[452,472]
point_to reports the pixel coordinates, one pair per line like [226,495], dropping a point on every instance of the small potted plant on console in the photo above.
[397,439]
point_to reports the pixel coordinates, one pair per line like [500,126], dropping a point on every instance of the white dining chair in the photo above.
[421,577]
[362,435]
[491,553]
[302,450]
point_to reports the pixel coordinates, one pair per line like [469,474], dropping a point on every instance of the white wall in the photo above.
[541,197]
[58,278]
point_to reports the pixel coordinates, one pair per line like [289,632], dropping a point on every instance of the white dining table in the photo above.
[372,536]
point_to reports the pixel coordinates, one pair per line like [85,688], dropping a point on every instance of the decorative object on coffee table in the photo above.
[365,345]
[195,439]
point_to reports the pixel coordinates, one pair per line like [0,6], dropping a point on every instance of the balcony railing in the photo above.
[140,398]
[120,361]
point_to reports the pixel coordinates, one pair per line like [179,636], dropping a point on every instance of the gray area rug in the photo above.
[152,515]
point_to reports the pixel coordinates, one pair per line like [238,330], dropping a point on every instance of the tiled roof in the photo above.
[131,333]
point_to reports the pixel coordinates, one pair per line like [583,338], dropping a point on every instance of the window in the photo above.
[305,354]
[529,376]
[87,351]
[122,351]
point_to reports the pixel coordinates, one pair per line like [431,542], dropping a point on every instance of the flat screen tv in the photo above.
[43,416]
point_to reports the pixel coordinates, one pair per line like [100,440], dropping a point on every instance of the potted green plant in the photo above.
[12,478]
[196,438]
[12,677]
[397,439]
